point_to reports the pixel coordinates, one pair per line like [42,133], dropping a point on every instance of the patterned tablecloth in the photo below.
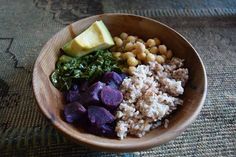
[26,25]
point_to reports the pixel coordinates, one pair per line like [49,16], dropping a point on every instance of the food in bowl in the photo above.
[126,87]
[150,94]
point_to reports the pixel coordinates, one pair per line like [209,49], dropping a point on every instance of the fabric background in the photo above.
[26,25]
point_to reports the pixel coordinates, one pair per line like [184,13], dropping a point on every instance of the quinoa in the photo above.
[150,94]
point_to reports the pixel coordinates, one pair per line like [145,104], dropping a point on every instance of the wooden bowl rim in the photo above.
[142,145]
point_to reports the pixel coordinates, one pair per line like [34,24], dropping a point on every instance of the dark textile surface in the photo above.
[26,25]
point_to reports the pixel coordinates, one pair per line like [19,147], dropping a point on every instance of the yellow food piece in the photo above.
[93,38]
[160,59]
[169,54]
[154,50]
[129,46]
[131,61]
[139,47]
[162,49]
[123,36]
[117,54]
[131,38]
[118,41]
[141,56]
[157,41]
[126,55]
[150,57]
[131,70]
[151,42]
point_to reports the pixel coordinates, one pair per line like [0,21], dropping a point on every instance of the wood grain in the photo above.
[50,100]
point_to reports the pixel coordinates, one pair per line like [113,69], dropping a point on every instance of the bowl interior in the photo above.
[51,102]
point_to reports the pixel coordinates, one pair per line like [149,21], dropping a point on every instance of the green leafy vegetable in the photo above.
[87,67]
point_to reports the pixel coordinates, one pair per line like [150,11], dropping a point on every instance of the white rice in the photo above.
[149,96]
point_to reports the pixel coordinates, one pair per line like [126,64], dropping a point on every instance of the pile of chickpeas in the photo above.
[135,51]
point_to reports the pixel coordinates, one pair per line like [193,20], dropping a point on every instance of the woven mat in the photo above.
[25,25]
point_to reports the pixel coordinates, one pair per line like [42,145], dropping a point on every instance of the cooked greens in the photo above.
[86,67]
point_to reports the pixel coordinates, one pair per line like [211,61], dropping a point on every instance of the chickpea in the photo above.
[151,43]
[139,47]
[164,56]
[116,54]
[134,52]
[125,70]
[140,40]
[146,51]
[129,46]
[118,41]
[141,56]
[160,59]
[131,38]
[131,61]
[131,70]
[162,49]
[139,62]
[169,54]
[126,55]
[123,35]
[150,57]
[125,42]
[119,49]
[154,50]
[157,41]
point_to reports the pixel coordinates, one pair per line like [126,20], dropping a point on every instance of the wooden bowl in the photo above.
[50,100]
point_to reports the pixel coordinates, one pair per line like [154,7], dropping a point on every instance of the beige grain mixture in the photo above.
[150,94]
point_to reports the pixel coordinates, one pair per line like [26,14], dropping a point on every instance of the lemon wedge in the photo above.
[93,38]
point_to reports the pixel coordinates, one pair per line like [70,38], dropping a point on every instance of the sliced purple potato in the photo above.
[123,76]
[73,94]
[103,130]
[99,116]
[92,95]
[74,112]
[111,97]
[101,121]
[108,130]
[112,84]
[74,87]
[84,85]
[112,77]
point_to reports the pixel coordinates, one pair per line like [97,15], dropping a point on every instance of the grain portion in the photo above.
[150,94]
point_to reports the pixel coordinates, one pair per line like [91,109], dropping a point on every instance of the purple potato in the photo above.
[112,84]
[107,130]
[84,85]
[99,116]
[112,77]
[74,112]
[111,97]
[73,94]
[123,76]
[92,95]
[103,130]
[74,87]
